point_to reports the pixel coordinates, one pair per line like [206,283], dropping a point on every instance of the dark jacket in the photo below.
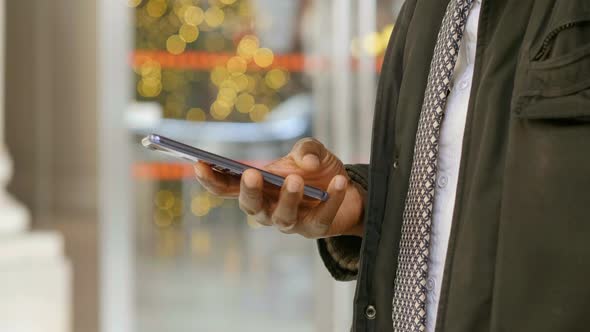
[519,250]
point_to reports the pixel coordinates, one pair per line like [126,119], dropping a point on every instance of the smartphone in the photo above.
[219,163]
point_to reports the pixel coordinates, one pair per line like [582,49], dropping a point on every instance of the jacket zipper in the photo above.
[546,47]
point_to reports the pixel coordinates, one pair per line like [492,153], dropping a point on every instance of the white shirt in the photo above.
[449,158]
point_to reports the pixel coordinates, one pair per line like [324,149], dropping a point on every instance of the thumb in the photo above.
[308,154]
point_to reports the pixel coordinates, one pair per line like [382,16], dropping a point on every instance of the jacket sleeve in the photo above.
[341,253]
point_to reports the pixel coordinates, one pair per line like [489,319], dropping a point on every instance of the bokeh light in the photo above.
[245,102]
[196,114]
[164,199]
[175,44]
[193,15]
[258,112]
[156,8]
[248,46]
[214,16]
[237,65]
[188,33]
[218,75]
[149,87]
[220,109]
[263,57]
[276,79]
[200,205]
[163,218]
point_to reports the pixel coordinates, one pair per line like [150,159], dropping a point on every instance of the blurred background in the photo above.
[98,233]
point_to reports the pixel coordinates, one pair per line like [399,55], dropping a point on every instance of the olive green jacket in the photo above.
[519,250]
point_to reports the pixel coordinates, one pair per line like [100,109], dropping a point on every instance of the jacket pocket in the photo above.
[555,82]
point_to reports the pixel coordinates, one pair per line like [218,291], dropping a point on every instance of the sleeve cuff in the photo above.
[341,254]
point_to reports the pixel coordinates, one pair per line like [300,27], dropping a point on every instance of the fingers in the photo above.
[325,213]
[308,154]
[286,212]
[219,184]
[251,199]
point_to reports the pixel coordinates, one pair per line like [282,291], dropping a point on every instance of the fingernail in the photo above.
[293,186]
[340,183]
[312,160]
[198,172]
[250,181]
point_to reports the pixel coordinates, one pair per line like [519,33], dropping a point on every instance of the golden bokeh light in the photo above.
[241,82]
[173,21]
[220,109]
[237,65]
[175,45]
[214,16]
[188,33]
[163,218]
[263,57]
[252,83]
[149,87]
[227,2]
[228,95]
[156,8]
[218,75]
[177,208]
[386,34]
[229,83]
[258,112]
[276,79]
[151,69]
[193,15]
[200,205]
[196,114]
[164,199]
[244,103]
[248,46]
[179,9]
[372,44]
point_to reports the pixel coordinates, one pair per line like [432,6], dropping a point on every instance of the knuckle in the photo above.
[287,230]
[321,229]
[248,210]
[308,235]
[211,189]
[262,219]
[282,222]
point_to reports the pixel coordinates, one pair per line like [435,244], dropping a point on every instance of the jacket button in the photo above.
[371,312]
[395,164]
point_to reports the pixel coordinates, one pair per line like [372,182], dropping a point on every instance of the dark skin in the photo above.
[308,163]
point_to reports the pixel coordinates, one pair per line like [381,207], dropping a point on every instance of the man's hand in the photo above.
[308,163]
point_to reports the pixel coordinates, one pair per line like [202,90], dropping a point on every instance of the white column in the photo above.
[14,218]
[35,277]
